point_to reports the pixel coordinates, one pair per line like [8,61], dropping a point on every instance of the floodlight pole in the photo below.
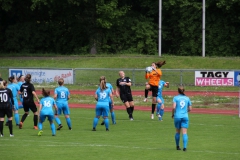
[203,28]
[160,30]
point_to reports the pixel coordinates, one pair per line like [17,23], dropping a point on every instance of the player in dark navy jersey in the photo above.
[124,90]
[28,92]
[6,107]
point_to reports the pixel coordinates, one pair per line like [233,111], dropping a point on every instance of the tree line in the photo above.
[119,26]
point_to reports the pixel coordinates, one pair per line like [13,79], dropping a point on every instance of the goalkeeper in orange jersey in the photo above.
[154,76]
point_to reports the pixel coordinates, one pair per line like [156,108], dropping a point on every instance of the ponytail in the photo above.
[4,83]
[181,90]
[28,78]
[160,64]
[102,83]
[11,79]
[45,93]
[1,85]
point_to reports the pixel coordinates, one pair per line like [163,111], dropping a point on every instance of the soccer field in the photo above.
[210,137]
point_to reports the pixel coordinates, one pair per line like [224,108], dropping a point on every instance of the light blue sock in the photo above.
[185,140]
[58,120]
[40,126]
[158,108]
[68,120]
[113,118]
[95,122]
[177,138]
[106,122]
[161,114]
[53,128]
[16,117]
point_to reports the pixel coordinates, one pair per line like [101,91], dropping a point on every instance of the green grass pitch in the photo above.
[210,137]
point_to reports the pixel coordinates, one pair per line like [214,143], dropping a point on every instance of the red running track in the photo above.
[169,93]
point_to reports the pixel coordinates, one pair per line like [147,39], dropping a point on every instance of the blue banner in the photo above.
[237,78]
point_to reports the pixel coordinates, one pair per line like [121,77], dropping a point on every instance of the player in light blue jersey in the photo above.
[110,104]
[62,95]
[20,82]
[103,95]
[160,100]
[14,87]
[181,106]
[46,111]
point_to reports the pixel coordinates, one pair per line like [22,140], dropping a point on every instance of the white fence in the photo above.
[90,76]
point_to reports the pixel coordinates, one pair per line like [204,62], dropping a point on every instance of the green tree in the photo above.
[6,5]
[119,26]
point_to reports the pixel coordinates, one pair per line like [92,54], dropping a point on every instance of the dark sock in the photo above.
[146,93]
[35,120]
[153,108]
[129,110]
[1,127]
[24,117]
[132,109]
[10,126]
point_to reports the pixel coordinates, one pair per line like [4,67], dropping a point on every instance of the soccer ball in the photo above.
[149,69]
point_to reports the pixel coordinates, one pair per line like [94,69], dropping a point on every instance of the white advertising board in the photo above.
[45,75]
[214,78]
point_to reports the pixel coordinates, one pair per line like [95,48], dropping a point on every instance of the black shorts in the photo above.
[126,97]
[6,111]
[154,90]
[29,105]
